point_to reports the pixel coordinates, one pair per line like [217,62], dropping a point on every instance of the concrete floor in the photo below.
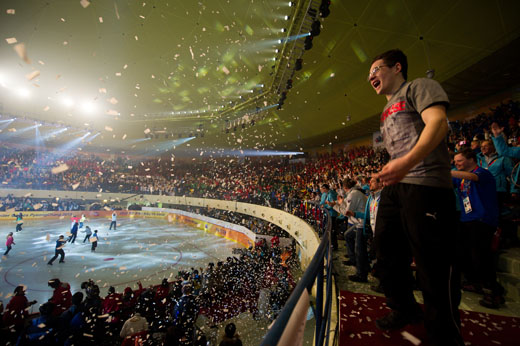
[469,301]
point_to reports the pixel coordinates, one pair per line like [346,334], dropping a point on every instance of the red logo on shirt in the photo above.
[396,107]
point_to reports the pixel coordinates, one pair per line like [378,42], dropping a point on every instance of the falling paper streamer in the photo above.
[11,40]
[108,128]
[22,52]
[32,75]
[75,186]
[124,137]
[113,100]
[46,108]
[84,3]
[112,112]
[10,11]
[117,11]
[414,340]
[101,19]
[60,169]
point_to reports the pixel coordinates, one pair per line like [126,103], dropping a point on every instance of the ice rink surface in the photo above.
[145,250]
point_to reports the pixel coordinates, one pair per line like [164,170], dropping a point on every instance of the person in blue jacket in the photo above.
[328,200]
[476,191]
[498,165]
[505,150]
[369,223]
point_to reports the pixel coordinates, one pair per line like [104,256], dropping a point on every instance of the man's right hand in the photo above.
[496,129]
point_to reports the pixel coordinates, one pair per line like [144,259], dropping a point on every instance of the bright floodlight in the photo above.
[22,92]
[67,102]
[88,107]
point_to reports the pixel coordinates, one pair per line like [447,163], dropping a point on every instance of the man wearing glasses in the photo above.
[416,216]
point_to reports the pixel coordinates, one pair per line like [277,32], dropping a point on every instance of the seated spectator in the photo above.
[16,311]
[231,338]
[41,330]
[61,296]
[112,306]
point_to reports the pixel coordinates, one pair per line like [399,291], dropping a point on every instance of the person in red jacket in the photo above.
[61,297]
[112,305]
[16,311]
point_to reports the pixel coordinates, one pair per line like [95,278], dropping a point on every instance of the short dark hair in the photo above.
[349,183]
[393,57]
[230,330]
[325,186]
[468,153]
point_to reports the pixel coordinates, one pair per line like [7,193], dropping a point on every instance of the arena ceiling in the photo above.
[126,69]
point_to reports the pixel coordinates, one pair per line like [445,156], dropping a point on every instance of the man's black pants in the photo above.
[478,264]
[416,221]
[58,252]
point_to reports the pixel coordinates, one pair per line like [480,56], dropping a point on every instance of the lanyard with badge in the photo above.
[465,188]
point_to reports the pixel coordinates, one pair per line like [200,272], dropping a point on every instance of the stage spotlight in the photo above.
[324,8]
[315,28]
[298,64]
[308,43]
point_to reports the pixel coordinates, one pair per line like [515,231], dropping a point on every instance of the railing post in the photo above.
[319,300]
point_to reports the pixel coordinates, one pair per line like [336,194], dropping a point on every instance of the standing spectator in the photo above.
[479,219]
[185,314]
[328,200]
[9,243]
[499,166]
[114,221]
[369,223]
[60,243]
[416,215]
[231,338]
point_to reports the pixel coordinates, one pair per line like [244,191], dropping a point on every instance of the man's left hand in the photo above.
[394,171]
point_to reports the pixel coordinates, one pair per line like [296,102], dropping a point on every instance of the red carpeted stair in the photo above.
[358,313]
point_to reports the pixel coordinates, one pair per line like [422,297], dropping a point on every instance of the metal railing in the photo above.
[314,274]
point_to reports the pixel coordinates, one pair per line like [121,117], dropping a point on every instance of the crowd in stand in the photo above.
[164,314]
[485,177]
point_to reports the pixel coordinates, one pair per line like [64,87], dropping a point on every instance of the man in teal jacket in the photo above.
[498,165]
